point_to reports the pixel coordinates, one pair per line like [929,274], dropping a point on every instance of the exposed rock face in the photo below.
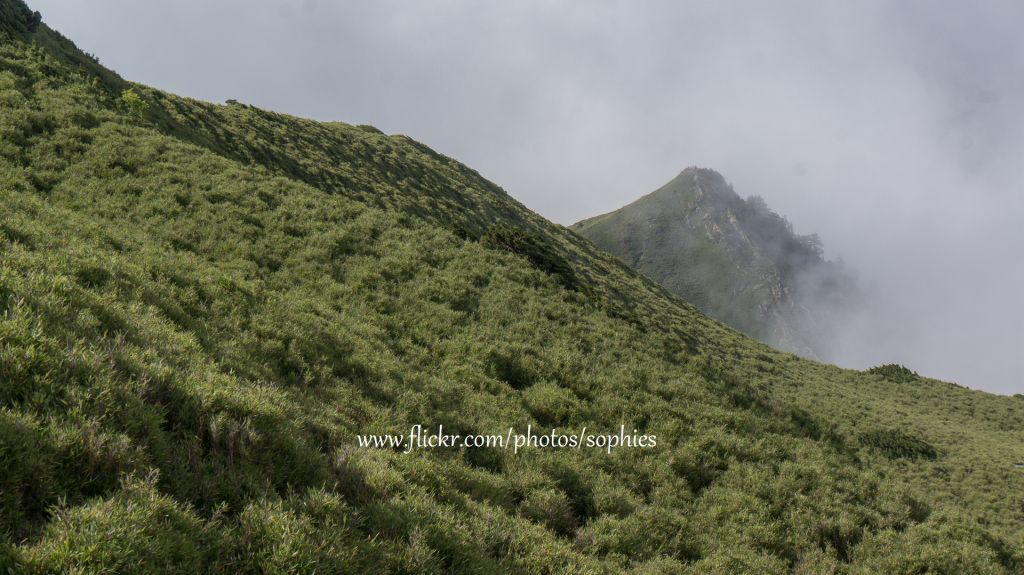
[731,257]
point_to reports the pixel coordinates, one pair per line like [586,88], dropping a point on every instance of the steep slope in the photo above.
[202,306]
[734,259]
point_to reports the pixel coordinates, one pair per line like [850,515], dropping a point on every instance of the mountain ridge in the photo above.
[733,258]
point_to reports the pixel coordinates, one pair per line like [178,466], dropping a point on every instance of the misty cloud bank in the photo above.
[893,130]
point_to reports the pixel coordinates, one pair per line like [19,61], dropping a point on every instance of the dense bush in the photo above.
[142,532]
[133,103]
[897,444]
[16,18]
[895,373]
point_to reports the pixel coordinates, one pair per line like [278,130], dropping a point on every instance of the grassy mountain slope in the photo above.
[201,306]
[734,259]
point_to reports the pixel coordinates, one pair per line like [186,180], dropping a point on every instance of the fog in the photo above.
[892,129]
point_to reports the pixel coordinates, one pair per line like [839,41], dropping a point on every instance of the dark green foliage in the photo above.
[199,312]
[896,444]
[895,373]
[9,560]
[511,367]
[17,18]
[534,248]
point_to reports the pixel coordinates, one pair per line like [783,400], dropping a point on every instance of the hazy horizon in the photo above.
[889,129]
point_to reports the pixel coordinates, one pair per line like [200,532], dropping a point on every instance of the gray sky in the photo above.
[893,129]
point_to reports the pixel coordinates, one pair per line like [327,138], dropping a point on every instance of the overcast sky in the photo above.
[895,130]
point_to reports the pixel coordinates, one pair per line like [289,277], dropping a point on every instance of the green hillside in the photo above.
[733,258]
[202,306]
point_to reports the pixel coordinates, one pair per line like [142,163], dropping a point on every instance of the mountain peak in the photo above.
[695,185]
[697,172]
[733,258]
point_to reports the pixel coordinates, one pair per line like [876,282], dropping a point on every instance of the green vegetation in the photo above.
[895,373]
[17,19]
[895,444]
[535,249]
[133,103]
[200,309]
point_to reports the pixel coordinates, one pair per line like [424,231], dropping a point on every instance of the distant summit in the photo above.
[733,258]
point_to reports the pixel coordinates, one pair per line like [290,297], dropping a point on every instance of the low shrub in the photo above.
[896,444]
[136,531]
[895,373]
[551,508]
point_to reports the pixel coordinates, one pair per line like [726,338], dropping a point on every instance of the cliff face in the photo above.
[733,258]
